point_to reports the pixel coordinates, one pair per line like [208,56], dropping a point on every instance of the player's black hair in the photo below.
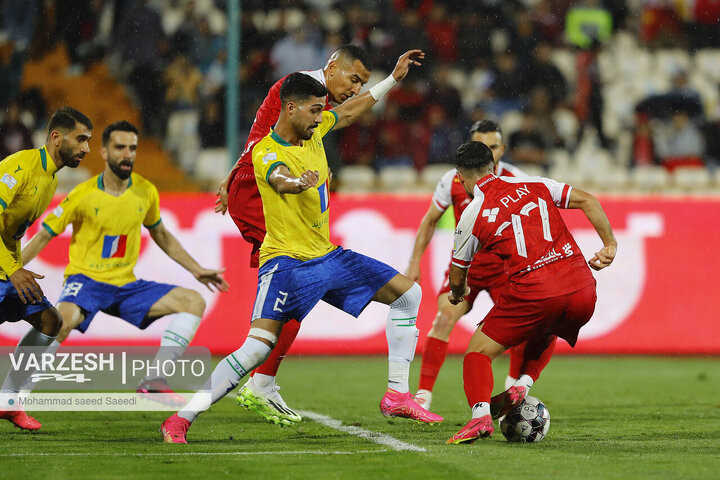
[354,52]
[474,156]
[65,118]
[485,126]
[121,126]
[298,86]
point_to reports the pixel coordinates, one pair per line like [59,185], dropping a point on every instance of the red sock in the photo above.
[516,360]
[477,378]
[537,356]
[432,359]
[285,341]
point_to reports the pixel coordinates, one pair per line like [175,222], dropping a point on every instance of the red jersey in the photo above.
[450,191]
[518,220]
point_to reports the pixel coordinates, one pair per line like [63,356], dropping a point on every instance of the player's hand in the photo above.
[212,279]
[308,180]
[221,203]
[455,300]
[603,257]
[407,59]
[413,272]
[27,288]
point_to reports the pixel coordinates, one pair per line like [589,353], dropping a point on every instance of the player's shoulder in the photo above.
[142,183]
[24,160]
[266,145]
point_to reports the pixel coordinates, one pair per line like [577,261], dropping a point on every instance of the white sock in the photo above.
[226,376]
[480,409]
[509,381]
[29,385]
[525,381]
[176,338]
[33,338]
[402,337]
[262,381]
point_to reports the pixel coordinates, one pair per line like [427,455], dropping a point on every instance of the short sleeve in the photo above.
[12,180]
[466,243]
[62,215]
[265,160]
[152,218]
[442,196]
[560,192]
[329,119]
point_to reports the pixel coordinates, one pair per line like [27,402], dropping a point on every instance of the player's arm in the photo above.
[172,247]
[594,212]
[36,245]
[422,240]
[351,110]
[457,281]
[465,248]
[282,181]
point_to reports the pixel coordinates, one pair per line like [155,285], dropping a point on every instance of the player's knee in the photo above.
[190,301]
[410,299]
[444,321]
[51,322]
[268,338]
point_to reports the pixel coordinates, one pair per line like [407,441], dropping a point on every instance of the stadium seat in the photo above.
[566,124]
[511,122]
[564,60]
[559,158]
[708,62]
[212,165]
[398,178]
[532,170]
[612,179]
[432,174]
[569,174]
[672,61]
[691,179]
[180,124]
[357,178]
[650,178]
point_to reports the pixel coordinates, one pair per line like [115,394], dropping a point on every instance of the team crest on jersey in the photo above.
[269,156]
[9,180]
[58,211]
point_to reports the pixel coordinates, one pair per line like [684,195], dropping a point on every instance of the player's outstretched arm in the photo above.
[282,181]
[351,110]
[174,249]
[596,215]
[425,232]
[36,245]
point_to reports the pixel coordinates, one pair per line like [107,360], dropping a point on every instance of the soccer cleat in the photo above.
[268,404]
[424,398]
[503,402]
[20,419]
[481,427]
[174,429]
[160,386]
[404,405]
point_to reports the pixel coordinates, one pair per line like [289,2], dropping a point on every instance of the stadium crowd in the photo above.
[642,75]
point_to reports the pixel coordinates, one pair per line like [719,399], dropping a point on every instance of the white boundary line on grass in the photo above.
[163,454]
[379,438]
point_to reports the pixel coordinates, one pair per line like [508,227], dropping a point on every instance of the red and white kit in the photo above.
[551,289]
[486,269]
[244,203]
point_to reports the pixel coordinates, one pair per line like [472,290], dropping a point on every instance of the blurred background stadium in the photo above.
[615,95]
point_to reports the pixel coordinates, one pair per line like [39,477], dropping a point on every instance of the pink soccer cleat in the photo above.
[166,395]
[404,405]
[174,429]
[476,428]
[503,402]
[20,419]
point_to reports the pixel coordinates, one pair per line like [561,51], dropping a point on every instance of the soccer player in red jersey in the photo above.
[551,291]
[486,272]
[347,70]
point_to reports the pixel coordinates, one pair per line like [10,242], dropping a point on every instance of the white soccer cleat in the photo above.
[267,403]
[424,398]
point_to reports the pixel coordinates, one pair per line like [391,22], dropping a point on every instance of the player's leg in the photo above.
[45,327]
[436,345]
[72,316]
[534,356]
[478,385]
[226,376]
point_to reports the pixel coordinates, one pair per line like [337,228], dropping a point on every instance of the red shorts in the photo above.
[478,280]
[514,320]
[245,208]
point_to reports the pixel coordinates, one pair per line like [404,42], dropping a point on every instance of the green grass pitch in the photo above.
[611,417]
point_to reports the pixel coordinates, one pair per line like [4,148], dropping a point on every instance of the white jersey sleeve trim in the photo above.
[467,244]
[560,192]
[442,197]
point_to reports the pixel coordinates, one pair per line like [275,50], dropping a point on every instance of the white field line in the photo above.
[179,454]
[379,438]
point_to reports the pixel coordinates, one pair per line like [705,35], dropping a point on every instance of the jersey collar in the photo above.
[279,139]
[101,184]
[48,164]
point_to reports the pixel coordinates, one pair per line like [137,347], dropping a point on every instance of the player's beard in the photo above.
[121,174]
[67,157]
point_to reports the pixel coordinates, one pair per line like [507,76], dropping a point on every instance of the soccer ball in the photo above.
[528,422]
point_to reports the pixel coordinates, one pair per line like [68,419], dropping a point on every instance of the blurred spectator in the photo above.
[358,143]
[442,32]
[409,96]
[211,127]
[11,64]
[588,23]
[294,53]
[541,110]
[443,137]
[660,25]
[680,142]
[18,20]
[14,136]
[508,86]
[680,97]
[643,149]
[409,33]
[443,94]
[393,139]
[704,28]
[589,101]
[473,38]
[183,80]
[547,19]
[215,77]
[524,36]
[206,46]
[544,73]
[527,146]
[76,21]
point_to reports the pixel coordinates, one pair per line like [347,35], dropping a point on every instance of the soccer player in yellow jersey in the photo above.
[107,212]
[27,184]
[298,264]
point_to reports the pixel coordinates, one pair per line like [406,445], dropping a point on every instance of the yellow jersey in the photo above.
[105,240]
[27,184]
[297,225]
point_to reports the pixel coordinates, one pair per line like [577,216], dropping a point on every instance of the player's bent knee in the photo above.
[51,322]
[196,302]
[268,338]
